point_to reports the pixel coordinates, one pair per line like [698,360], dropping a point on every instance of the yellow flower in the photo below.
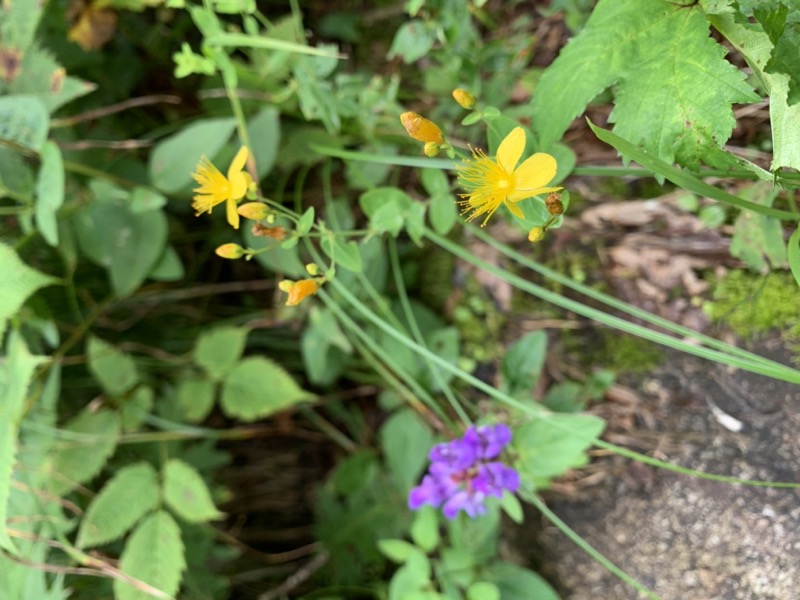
[420,128]
[298,290]
[490,183]
[464,98]
[215,188]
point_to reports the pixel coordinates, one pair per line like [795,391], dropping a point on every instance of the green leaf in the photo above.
[196,398]
[16,372]
[518,583]
[18,281]
[758,240]
[126,498]
[512,507]
[756,48]
[434,181]
[548,447]
[415,222]
[265,137]
[785,38]
[483,590]
[673,87]
[412,41]
[345,254]
[425,529]
[135,408]
[406,441]
[305,222]
[18,25]
[412,577]
[115,371]
[523,362]
[443,213]
[397,550]
[186,493]
[169,267]
[146,199]
[154,554]
[218,350]
[49,192]
[24,121]
[326,349]
[794,254]
[174,159]
[258,387]
[89,440]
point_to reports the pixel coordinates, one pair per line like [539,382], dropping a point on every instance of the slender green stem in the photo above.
[536,501]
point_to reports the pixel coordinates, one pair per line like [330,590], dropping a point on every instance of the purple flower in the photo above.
[461,475]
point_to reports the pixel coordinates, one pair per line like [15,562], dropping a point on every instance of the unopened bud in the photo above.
[431,149]
[420,128]
[536,234]
[464,98]
[553,203]
[313,269]
[232,251]
[255,211]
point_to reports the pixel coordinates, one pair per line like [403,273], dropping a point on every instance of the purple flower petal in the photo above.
[488,441]
[456,454]
[432,490]
[470,502]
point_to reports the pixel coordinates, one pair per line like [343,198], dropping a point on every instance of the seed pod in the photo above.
[553,203]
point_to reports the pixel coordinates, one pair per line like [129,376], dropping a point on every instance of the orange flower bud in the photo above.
[536,234]
[421,129]
[232,251]
[299,290]
[554,204]
[276,233]
[464,98]
[255,211]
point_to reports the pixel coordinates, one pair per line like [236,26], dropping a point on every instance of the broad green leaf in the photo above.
[196,398]
[548,447]
[186,493]
[146,199]
[218,350]
[326,349]
[483,590]
[258,387]
[16,372]
[115,371]
[475,538]
[17,281]
[522,363]
[443,213]
[673,87]
[413,576]
[397,550]
[265,137]
[169,267]
[345,254]
[756,48]
[406,441]
[758,240]
[434,181]
[794,254]
[425,529]
[415,222]
[88,441]
[174,159]
[49,192]
[518,583]
[412,41]
[24,121]
[126,498]
[154,554]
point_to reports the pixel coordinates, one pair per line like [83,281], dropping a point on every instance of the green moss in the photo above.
[752,304]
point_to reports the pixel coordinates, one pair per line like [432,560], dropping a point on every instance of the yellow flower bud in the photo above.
[431,149]
[464,98]
[255,211]
[313,269]
[299,290]
[536,234]
[420,128]
[554,204]
[232,251]
[285,285]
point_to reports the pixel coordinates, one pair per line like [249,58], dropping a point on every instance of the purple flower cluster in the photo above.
[462,473]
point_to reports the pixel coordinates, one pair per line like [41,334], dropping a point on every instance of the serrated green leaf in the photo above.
[196,398]
[258,387]
[174,159]
[135,408]
[49,192]
[154,554]
[345,254]
[218,350]
[88,441]
[784,58]
[18,24]
[794,254]
[126,498]
[406,441]
[115,371]
[16,372]
[186,493]
[548,447]
[24,121]
[673,87]
[17,281]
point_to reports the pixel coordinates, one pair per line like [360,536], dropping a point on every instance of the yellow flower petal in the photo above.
[232,214]
[239,161]
[510,149]
[515,210]
[518,195]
